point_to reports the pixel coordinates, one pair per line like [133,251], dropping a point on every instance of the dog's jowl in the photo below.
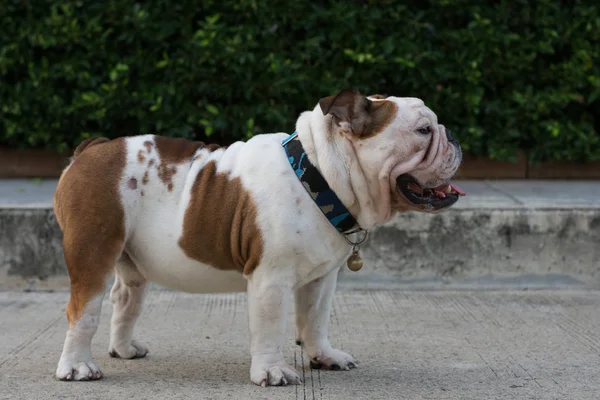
[275,214]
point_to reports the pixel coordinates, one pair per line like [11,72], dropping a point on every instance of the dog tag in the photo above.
[355,261]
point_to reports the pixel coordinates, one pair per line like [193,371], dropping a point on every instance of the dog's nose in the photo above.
[449,136]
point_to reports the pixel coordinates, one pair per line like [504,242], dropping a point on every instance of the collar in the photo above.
[317,187]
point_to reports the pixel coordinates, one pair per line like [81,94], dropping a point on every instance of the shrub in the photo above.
[504,74]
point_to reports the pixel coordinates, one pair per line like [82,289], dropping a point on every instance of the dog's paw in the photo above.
[335,360]
[133,350]
[70,370]
[278,373]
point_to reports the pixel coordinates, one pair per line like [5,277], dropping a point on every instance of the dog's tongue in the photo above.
[439,191]
[415,188]
[449,188]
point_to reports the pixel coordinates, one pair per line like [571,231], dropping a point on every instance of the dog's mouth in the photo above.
[439,197]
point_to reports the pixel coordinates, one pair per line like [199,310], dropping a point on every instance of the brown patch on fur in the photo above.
[213,146]
[91,216]
[219,227]
[145,178]
[141,157]
[148,145]
[151,162]
[365,118]
[88,143]
[176,150]
[165,174]
[378,96]
[132,183]
[382,114]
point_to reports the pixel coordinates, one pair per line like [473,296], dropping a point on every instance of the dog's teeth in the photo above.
[448,189]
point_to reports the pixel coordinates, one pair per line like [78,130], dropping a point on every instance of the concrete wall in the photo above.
[30,244]
[474,243]
[458,245]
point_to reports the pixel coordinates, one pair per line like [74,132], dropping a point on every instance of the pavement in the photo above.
[504,194]
[27,193]
[442,345]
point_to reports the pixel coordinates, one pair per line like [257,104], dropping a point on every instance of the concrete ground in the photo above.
[501,344]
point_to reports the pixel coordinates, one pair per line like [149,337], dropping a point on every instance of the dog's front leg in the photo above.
[313,307]
[269,300]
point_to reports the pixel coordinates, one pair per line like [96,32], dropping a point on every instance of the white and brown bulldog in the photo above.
[187,216]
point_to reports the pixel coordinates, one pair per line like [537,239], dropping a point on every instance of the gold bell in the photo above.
[355,261]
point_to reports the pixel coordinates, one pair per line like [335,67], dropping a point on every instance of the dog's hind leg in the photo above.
[89,211]
[127,296]
[90,265]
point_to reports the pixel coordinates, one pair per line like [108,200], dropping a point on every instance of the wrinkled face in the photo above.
[399,145]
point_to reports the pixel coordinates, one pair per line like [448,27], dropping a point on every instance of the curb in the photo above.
[463,245]
[458,247]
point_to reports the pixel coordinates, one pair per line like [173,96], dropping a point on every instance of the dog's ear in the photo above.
[343,104]
[355,115]
[350,110]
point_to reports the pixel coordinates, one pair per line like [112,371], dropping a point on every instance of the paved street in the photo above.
[501,344]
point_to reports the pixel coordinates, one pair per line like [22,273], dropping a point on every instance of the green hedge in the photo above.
[504,75]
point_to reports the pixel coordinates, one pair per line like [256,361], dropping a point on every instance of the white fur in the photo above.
[76,361]
[313,307]
[302,251]
[127,296]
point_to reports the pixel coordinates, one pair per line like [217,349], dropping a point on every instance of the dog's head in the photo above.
[398,142]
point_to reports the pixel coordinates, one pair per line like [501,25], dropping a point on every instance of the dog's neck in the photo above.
[337,162]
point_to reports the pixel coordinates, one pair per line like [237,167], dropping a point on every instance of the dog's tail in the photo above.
[87,143]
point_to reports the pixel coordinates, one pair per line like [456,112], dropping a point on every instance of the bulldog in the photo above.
[187,215]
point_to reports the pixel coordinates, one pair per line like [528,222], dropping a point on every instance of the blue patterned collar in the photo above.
[318,189]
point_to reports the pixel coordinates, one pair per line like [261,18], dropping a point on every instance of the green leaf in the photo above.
[212,109]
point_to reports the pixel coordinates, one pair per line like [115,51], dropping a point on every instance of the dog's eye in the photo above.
[424,131]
